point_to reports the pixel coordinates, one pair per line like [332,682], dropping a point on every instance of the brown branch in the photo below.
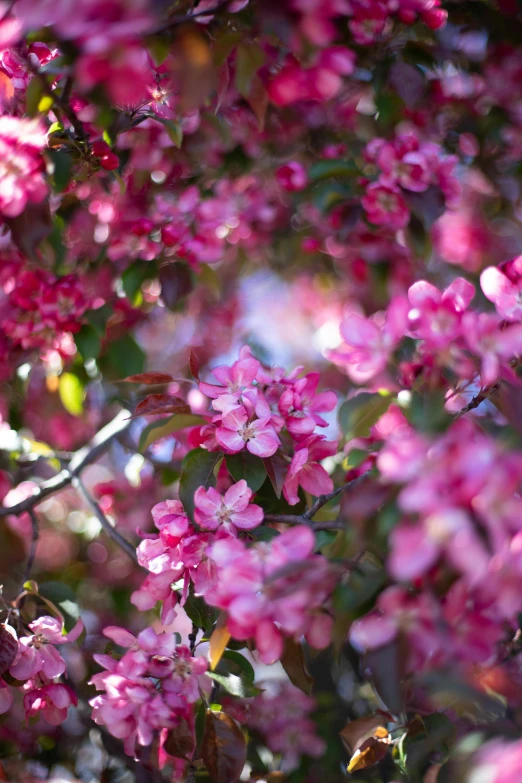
[81,458]
[35,530]
[111,531]
[478,399]
[60,103]
[307,517]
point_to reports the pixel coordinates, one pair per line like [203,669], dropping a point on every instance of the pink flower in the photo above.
[234,380]
[292,177]
[493,344]
[232,510]
[37,653]
[300,405]
[505,294]
[385,206]
[235,432]
[369,342]
[53,701]
[21,164]
[305,470]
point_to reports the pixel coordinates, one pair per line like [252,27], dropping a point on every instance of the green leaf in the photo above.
[63,597]
[98,318]
[249,59]
[248,467]
[33,95]
[160,429]
[62,162]
[264,533]
[87,342]
[358,415]
[241,663]
[325,169]
[427,413]
[174,130]
[72,393]
[234,685]
[123,357]
[197,470]
[135,275]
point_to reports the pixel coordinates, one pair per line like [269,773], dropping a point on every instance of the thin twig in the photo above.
[122,542]
[307,517]
[63,105]
[35,531]
[478,399]
[179,19]
[81,458]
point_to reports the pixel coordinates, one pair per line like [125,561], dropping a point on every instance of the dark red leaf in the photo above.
[30,228]
[194,364]
[176,283]
[223,748]
[276,468]
[149,378]
[8,647]
[180,742]
[160,403]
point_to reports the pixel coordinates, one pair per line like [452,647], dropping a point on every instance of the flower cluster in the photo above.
[255,405]
[41,308]
[406,165]
[36,665]
[281,714]
[149,689]
[273,590]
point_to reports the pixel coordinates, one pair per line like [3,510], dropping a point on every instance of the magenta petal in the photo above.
[316,480]
[237,496]
[249,518]
[263,445]
[230,440]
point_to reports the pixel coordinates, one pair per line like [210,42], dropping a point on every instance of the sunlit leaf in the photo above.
[218,641]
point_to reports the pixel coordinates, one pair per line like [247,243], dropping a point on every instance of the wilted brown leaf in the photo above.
[358,731]
[293,662]
[371,752]
[30,228]
[8,647]
[223,748]
[180,741]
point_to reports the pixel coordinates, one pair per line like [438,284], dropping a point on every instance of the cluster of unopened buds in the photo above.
[33,664]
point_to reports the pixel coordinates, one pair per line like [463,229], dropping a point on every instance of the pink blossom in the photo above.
[385,206]
[234,380]
[369,342]
[292,176]
[505,294]
[235,432]
[22,165]
[37,653]
[300,405]
[233,510]
[52,700]
[305,470]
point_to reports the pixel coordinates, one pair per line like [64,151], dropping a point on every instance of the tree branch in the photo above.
[81,458]
[111,531]
[307,517]
[478,399]
[34,543]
